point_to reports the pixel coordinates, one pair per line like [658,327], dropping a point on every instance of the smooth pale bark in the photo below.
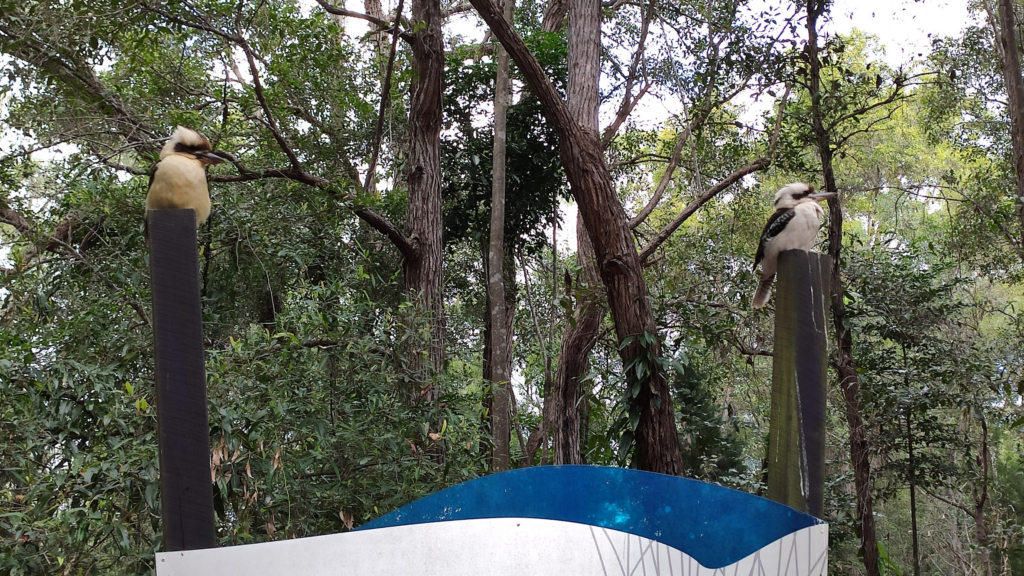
[423,220]
[1015,99]
[845,368]
[500,345]
[582,155]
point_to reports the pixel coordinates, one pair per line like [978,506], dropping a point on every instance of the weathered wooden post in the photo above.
[183,428]
[796,444]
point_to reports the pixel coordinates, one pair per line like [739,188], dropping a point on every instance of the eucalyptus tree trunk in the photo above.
[580,335]
[577,342]
[380,39]
[621,271]
[423,219]
[845,368]
[1010,56]
[500,344]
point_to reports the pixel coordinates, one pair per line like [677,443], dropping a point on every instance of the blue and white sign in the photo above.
[553,520]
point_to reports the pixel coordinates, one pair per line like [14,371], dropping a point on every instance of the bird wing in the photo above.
[776,223]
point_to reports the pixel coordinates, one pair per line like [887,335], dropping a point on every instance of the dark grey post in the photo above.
[796,444]
[183,427]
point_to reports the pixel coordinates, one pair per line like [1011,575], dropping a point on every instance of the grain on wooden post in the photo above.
[796,445]
[183,428]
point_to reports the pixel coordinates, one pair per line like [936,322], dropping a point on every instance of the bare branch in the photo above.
[269,122]
[204,26]
[778,122]
[648,157]
[661,236]
[385,101]
[457,9]
[9,216]
[404,244]
[628,102]
[382,25]
[897,94]
[673,164]
[666,178]
[950,502]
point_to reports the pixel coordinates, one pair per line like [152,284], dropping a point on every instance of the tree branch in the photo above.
[383,25]
[385,100]
[628,102]
[405,245]
[456,9]
[535,76]
[666,177]
[965,509]
[269,121]
[661,236]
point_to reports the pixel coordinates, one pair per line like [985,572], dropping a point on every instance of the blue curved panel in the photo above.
[714,525]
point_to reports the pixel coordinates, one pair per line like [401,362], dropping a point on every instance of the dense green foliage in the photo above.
[309,331]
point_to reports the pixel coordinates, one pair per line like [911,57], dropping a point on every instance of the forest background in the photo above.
[376,332]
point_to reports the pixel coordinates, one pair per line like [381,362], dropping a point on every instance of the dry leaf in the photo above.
[347,519]
[434,436]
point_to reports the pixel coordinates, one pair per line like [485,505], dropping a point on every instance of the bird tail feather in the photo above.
[763,292]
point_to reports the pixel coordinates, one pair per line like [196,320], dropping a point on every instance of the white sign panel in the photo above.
[549,521]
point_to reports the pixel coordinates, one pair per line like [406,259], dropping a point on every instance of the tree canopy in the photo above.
[344,268]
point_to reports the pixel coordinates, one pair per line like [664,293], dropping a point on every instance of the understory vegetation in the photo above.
[350,347]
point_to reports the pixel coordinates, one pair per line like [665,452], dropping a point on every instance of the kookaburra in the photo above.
[178,180]
[793,226]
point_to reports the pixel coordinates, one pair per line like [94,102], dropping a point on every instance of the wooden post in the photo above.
[183,427]
[796,442]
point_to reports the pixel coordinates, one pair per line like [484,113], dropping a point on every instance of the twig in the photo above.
[385,101]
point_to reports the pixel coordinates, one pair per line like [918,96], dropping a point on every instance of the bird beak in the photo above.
[819,196]
[209,158]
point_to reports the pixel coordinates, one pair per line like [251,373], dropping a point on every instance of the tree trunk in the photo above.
[554,15]
[619,264]
[380,39]
[424,225]
[579,336]
[913,495]
[980,499]
[845,368]
[500,343]
[1015,99]
[577,342]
